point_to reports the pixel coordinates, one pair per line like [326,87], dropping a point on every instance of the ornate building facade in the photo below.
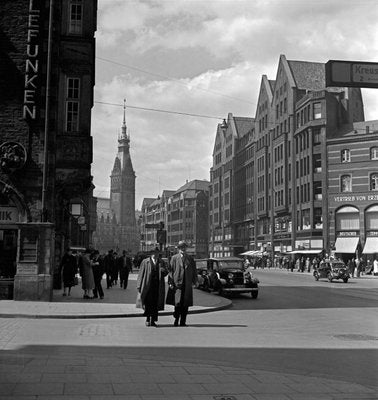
[47,53]
[116,218]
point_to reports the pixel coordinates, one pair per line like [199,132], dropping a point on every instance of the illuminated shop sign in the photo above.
[32,63]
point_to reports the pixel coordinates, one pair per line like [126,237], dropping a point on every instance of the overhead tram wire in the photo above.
[173,80]
[160,110]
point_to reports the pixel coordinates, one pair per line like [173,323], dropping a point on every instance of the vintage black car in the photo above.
[226,276]
[332,269]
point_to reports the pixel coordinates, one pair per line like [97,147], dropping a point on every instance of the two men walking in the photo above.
[182,275]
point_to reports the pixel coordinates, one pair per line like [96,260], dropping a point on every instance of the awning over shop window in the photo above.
[346,244]
[309,251]
[371,245]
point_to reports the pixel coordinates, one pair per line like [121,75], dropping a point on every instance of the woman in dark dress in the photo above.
[151,286]
[68,267]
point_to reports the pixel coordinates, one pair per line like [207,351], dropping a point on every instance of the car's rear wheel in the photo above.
[329,276]
[254,294]
[316,276]
[345,280]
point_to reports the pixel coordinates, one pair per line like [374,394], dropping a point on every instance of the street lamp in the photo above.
[76,208]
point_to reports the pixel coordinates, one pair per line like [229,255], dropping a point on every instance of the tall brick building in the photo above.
[270,177]
[47,54]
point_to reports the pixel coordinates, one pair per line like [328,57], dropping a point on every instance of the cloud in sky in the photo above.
[205,57]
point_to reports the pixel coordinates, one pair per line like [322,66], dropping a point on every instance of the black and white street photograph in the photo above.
[188,200]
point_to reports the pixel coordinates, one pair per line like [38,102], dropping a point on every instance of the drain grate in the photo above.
[225,398]
[356,337]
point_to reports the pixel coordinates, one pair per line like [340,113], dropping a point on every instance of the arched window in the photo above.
[371,216]
[347,218]
[345,155]
[374,181]
[346,183]
[374,153]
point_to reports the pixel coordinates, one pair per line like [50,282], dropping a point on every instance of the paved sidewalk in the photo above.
[118,303]
[220,356]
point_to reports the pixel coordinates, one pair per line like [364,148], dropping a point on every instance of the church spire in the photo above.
[124,128]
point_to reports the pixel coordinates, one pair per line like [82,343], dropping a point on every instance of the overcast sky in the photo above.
[205,57]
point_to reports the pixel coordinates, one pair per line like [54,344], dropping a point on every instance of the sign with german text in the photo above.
[351,74]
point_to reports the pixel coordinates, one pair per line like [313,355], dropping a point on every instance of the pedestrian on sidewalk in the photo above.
[68,267]
[109,266]
[124,267]
[98,271]
[183,275]
[87,275]
[151,286]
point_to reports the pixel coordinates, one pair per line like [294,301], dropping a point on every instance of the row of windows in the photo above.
[281,108]
[283,127]
[278,198]
[303,193]
[303,116]
[278,176]
[346,182]
[279,153]
[263,123]
[302,167]
[345,154]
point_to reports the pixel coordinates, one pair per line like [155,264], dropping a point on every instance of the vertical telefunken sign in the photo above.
[33,51]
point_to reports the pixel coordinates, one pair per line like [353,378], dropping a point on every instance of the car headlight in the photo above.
[230,275]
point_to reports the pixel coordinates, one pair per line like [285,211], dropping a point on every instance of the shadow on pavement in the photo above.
[38,365]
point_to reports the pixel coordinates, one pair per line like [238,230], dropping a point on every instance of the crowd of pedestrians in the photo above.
[91,266]
[300,263]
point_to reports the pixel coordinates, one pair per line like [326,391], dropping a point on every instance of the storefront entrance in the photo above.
[8,253]
[8,262]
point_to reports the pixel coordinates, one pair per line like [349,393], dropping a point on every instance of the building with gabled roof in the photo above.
[278,170]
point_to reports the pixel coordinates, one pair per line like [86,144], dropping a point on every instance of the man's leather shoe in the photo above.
[148,323]
[153,323]
[176,323]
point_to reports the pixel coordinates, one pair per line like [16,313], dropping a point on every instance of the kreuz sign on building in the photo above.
[351,74]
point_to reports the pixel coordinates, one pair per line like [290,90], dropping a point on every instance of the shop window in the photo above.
[346,183]
[374,181]
[345,155]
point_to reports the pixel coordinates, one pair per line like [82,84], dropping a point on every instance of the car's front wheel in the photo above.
[254,294]
[329,276]
[316,276]
[345,280]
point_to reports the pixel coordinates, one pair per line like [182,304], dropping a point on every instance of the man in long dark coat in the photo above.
[151,286]
[183,274]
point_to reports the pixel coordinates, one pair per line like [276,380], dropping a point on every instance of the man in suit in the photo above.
[183,275]
[124,267]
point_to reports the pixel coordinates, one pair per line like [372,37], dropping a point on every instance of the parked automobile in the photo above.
[226,275]
[332,269]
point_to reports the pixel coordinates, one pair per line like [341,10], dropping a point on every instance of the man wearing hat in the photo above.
[183,276]
[151,286]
